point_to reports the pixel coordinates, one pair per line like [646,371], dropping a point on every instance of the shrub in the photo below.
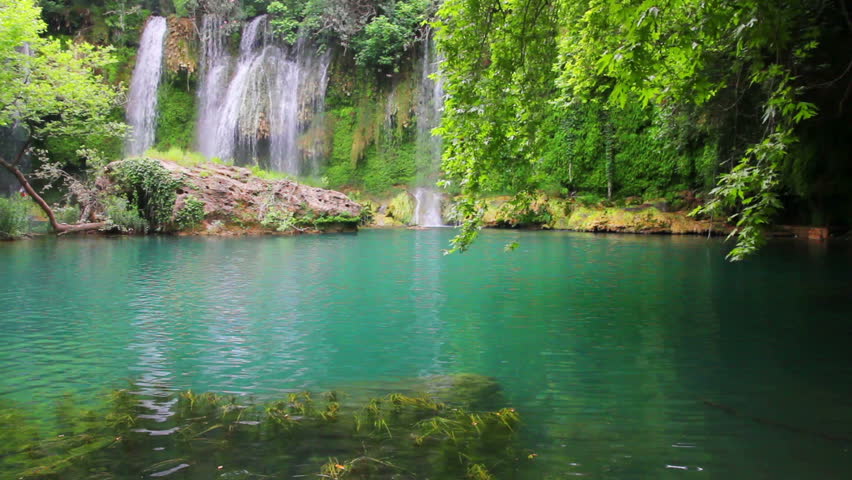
[384,40]
[191,214]
[149,187]
[122,216]
[590,199]
[14,217]
[67,214]
[278,220]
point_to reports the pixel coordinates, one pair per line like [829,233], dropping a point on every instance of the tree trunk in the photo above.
[59,228]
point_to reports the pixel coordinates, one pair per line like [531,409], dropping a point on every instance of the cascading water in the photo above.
[427,209]
[273,98]
[215,65]
[427,212]
[142,99]
[238,118]
[300,92]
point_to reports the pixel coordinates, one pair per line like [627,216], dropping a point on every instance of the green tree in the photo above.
[386,37]
[50,89]
[516,66]
[499,81]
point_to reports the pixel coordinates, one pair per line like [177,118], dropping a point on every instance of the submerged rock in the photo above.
[466,390]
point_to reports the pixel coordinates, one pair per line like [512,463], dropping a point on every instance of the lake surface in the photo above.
[627,356]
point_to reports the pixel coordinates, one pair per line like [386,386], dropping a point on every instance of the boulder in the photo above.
[234,196]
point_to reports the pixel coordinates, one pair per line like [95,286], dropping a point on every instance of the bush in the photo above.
[148,187]
[278,220]
[384,40]
[590,200]
[14,217]
[191,214]
[67,214]
[122,216]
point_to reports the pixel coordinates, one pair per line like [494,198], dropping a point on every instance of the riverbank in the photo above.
[554,214]
[144,195]
[215,199]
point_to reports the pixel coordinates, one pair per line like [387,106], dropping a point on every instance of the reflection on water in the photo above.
[611,346]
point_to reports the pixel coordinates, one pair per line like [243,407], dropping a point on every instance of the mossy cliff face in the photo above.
[371,126]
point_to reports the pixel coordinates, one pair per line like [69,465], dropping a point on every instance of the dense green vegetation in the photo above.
[14,220]
[645,99]
[737,109]
[53,91]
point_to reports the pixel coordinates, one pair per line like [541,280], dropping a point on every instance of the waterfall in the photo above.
[215,63]
[238,119]
[429,108]
[273,98]
[427,209]
[300,92]
[142,99]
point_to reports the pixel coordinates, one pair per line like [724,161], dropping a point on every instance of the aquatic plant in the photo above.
[399,435]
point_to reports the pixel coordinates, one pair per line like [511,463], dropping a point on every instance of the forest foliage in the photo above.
[738,108]
[677,92]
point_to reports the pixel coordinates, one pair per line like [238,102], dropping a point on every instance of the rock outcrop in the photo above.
[237,201]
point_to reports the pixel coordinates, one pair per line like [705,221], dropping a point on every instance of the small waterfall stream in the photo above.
[427,211]
[142,98]
[273,97]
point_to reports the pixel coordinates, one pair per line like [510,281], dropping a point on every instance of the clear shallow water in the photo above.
[609,346]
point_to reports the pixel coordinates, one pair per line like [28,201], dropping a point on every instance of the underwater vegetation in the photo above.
[207,435]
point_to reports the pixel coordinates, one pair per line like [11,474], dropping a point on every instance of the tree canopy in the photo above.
[50,88]
[514,67]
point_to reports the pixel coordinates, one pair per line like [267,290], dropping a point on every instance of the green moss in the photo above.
[372,139]
[176,120]
[401,208]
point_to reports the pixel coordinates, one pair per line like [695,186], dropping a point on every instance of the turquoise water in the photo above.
[627,356]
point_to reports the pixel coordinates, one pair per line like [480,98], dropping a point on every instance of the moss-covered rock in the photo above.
[401,208]
[568,214]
